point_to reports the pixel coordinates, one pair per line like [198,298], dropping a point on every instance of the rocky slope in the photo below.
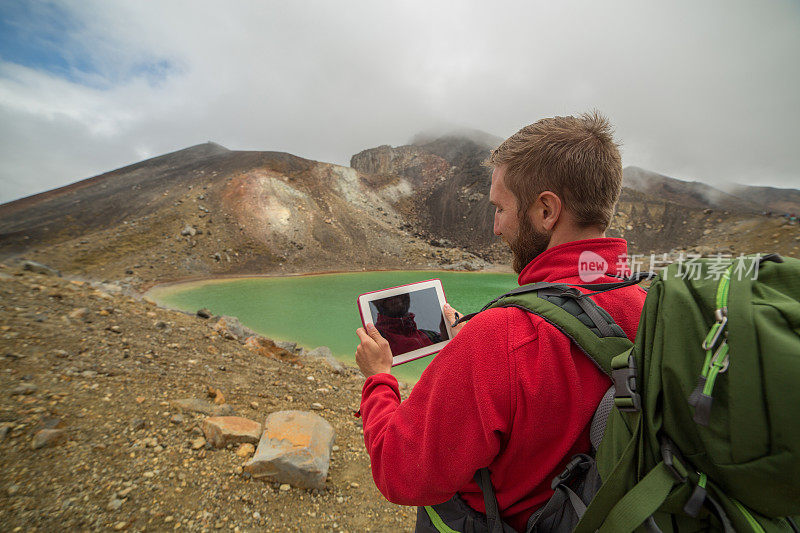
[106,370]
[656,214]
[207,211]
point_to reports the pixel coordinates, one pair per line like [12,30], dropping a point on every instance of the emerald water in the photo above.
[320,310]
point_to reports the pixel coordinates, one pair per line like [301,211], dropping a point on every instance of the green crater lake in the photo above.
[320,309]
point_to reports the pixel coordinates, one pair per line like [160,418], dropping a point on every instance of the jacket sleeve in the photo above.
[454,422]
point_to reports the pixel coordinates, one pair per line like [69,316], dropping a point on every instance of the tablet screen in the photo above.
[410,320]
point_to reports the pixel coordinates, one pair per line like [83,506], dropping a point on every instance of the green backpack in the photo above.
[698,431]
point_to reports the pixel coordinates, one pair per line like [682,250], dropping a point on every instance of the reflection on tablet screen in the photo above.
[409,321]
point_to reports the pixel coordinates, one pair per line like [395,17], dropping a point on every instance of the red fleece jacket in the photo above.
[510,392]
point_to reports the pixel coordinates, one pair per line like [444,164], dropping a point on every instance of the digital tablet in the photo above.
[410,317]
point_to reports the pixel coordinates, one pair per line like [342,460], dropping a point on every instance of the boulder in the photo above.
[47,437]
[288,346]
[324,353]
[230,328]
[267,348]
[295,449]
[223,430]
[194,405]
[38,268]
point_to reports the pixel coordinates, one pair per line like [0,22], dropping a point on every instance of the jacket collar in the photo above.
[563,262]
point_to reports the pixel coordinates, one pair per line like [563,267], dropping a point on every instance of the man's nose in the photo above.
[496,227]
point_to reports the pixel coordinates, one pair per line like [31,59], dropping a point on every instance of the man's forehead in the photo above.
[497,187]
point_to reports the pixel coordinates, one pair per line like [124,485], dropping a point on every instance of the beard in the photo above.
[528,244]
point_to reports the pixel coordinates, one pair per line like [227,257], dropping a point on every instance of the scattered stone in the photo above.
[288,346]
[245,450]
[317,406]
[79,313]
[295,448]
[12,489]
[119,526]
[114,329]
[5,427]
[50,422]
[188,231]
[204,313]
[114,505]
[24,389]
[223,430]
[324,353]
[268,348]
[137,424]
[124,493]
[48,437]
[176,419]
[253,405]
[285,487]
[230,328]
[194,405]
[38,268]
[198,443]
[150,442]
[216,394]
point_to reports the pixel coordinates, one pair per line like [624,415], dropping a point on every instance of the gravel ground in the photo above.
[104,368]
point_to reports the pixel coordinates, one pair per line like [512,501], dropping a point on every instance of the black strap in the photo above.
[727,527]
[493,520]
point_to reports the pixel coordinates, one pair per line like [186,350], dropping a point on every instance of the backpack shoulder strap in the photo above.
[576,315]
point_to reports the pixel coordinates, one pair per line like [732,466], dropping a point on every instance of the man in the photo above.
[510,392]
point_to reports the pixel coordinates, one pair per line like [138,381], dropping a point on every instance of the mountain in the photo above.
[207,210]
[451,203]
[779,201]
[687,193]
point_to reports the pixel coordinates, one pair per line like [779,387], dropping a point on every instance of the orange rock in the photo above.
[295,448]
[219,398]
[268,348]
[245,450]
[223,430]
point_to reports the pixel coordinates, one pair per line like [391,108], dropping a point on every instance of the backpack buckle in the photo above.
[625,396]
[579,463]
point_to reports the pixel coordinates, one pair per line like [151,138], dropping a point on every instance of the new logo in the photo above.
[591,266]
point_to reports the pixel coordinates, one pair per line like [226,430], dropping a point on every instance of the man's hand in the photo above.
[373,355]
[451,315]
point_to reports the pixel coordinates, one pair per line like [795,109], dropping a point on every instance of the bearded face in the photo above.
[528,244]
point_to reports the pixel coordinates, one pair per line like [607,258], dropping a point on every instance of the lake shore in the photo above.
[147,287]
[279,307]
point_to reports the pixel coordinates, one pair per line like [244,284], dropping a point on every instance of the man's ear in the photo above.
[545,211]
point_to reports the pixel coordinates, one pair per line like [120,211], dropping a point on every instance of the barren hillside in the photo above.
[208,211]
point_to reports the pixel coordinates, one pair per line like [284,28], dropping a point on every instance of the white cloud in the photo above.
[697,90]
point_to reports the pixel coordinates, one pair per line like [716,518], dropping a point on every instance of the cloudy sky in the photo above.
[703,90]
